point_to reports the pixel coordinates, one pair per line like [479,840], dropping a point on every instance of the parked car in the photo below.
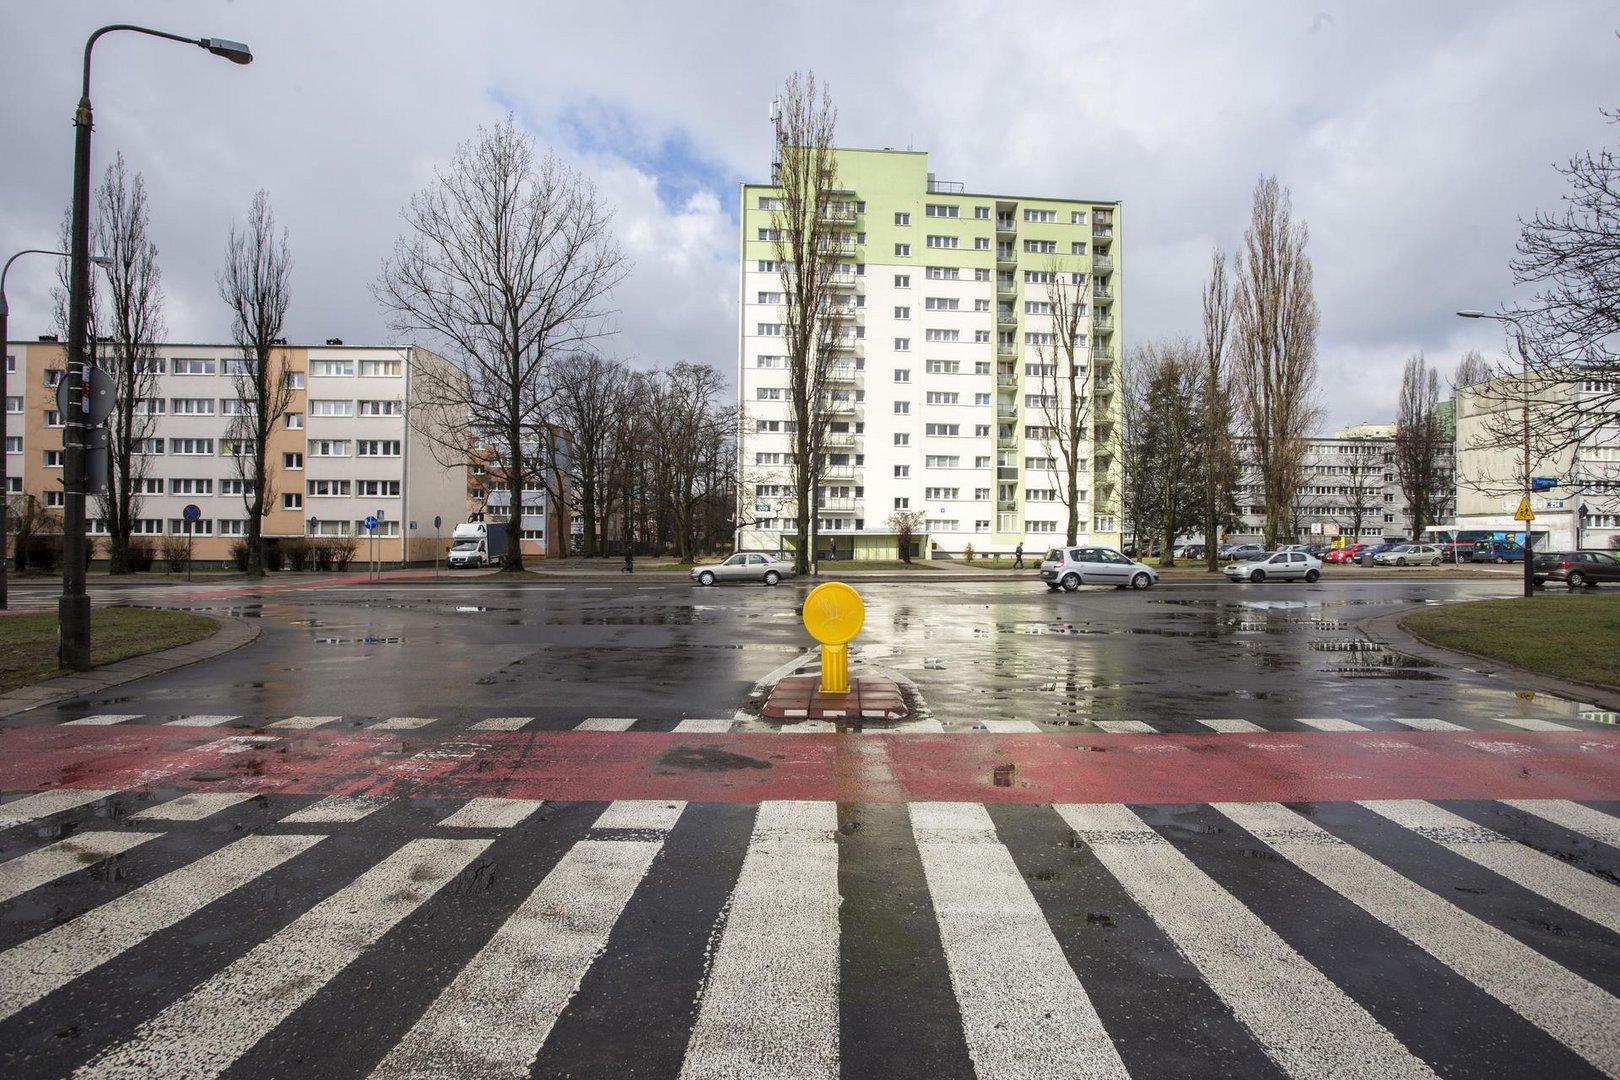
[1410,555]
[1368,555]
[1453,551]
[1276,566]
[1070,568]
[1241,551]
[1575,568]
[1499,551]
[744,566]
[1345,554]
[1193,551]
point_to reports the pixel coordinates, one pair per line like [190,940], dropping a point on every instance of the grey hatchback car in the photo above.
[1070,568]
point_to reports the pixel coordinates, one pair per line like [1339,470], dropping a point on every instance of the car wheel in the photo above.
[1434,562]
[1141,581]
[1538,580]
[1400,562]
[1500,560]
[1051,587]
[772,577]
[706,578]
[1576,579]
[1071,582]
[1258,576]
[1313,576]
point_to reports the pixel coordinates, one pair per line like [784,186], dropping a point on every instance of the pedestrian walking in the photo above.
[629,560]
[1018,557]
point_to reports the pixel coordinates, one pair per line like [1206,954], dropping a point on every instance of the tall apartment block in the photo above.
[342,452]
[937,403]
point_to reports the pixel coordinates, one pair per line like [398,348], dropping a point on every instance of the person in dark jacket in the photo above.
[629,560]
[1018,557]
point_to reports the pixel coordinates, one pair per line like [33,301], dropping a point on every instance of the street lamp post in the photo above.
[73,610]
[1524,416]
[5,314]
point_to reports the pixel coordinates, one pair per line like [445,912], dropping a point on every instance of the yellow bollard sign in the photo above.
[833,613]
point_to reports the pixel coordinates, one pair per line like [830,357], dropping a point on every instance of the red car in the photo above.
[1344,554]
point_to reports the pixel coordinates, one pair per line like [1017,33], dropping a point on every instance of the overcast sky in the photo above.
[1413,136]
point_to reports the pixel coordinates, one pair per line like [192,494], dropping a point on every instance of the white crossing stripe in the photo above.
[482,813]
[1427,723]
[1228,725]
[106,718]
[1024,1011]
[653,815]
[779,946]
[491,1020]
[303,722]
[716,726]
[192,806]
[210,1027]
[402,723]
[45,865]
[1125,726]
[606,723]
[1010,727]
[201,720]
[1530,723]
[927,726]
[503,723]
[50,961]
[1594,824]
[1585,894]
[336,809]
[1551,997]
[809,727]
[33,807]
[1328,723]
[1302,1020]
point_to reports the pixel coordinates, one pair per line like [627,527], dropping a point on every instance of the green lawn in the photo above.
[28,642]
[1565,636]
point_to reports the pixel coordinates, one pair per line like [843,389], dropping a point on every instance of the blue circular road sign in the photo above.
[371,522]
[192,512]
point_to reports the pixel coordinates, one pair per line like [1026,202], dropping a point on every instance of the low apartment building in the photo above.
[342,451]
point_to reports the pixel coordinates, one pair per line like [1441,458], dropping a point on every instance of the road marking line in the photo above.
[1594,824]
[1427,723]
[46,864]
[808,727]
[492,1019]
[106,718]
[1300,1018]
[206,1030]
[44,964]
[193,806]
[202,720]
[696,725]
[1125,726]
[1551,997]
[1585,894]
[920,727]
[1328,723]
[503,723]
[337,809]
[1009,727]
[402,723]
[606,723]
[1024,1011]
[305,721]
[1230,725]
[1531,724]
[46,803]
[485,813]
[779,946]
[652,815]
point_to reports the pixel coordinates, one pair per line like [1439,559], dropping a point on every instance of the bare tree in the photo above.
[905,524]
[1217,447]
[1067,389]
[508,261]
[1422,448]
[1472,369]
[256,284]
[1274,349]
[686,434]
[812,234]
[1363,472]
[591,392]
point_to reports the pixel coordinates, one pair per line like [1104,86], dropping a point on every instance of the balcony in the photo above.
[1009,381]
[946,187]
[1006,350]
[1006,225]
[1103,234]
[1006,472]
[1006,257]
[843,371]
[1102,264]
[836,506]
[1006,506]
[839,213]
[1102,293]
[1006,283]
[842,311]
[1102,324]
[836,247]
[838,438]
[1006,318]
[838,472]
[1101,354]
[1006,414]
[843,281]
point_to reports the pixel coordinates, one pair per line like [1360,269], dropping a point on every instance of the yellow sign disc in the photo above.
[1524,513]
[833,613]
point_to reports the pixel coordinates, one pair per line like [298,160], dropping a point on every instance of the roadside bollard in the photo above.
[833,613]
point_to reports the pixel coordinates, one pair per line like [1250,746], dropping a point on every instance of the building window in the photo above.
[943,210]
[1078,247]
[327,488]
[292,460]
[902,408]
[902,281]
[1040,215]
[190,365]
[768,393]
[902,374]
[902,251]
[1048,247]
[191,486]
[293,420]
[942,335]
[54,498]
[944,367]
[943,273]
[942,429]
[381,488]
[329,448]
[902,218]
[901,503]
[53,418]
[244,487]
[902,344]
[942,303]
[53,458]
[14,404]
[324,368]
[191,446]
[901,438]
[766,329]
[14,444]
[292,380]
[319,407]
[292,500]
[943,397]
[181,406]
[942,242]
[902,313]
[1077,217]
[377,447]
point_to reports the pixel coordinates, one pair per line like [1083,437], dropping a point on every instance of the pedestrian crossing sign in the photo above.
[1524,513]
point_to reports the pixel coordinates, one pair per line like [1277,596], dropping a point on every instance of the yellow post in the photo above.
[833,613]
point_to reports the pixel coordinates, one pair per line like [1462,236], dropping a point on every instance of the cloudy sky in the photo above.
[1413,136]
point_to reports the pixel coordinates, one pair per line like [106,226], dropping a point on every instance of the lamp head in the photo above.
[234,51]
[102,261]
[1471,314]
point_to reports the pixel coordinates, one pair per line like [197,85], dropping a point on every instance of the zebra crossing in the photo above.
[925,725]
[162,933]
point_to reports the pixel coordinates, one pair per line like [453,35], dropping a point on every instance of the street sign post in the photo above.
[192,514]
[1543,483]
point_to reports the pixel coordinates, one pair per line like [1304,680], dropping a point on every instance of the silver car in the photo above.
[1070,568]
[744,566]
[1276,566]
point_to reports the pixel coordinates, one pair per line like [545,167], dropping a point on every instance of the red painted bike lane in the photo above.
[884,768]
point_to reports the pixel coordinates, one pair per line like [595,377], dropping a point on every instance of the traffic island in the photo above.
[869,697]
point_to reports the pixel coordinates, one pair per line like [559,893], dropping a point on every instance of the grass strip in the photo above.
[28,642]
[1569,637]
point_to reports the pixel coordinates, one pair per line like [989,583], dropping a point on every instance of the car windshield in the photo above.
[1055,555]
[463,545]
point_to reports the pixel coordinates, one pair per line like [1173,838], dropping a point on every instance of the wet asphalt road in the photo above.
[661,650]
